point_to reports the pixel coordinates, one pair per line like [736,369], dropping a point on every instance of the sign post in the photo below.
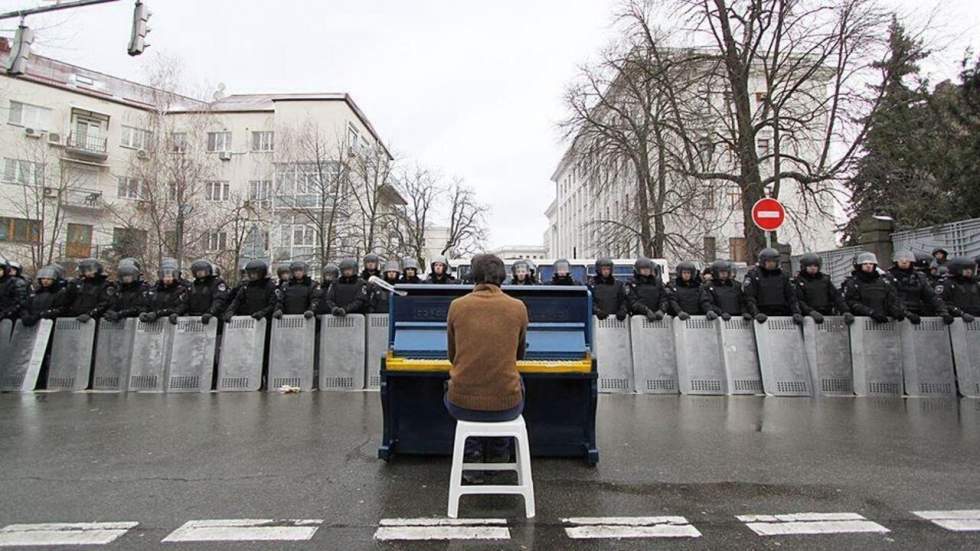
[768,215]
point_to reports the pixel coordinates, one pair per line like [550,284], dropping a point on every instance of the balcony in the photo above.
[77,198]
[88,146]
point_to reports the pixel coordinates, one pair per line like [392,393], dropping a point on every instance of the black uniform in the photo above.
[916,293]
[647,296]
[208,295]
[869,294]
[566,279]
[257,298]
[87,296]
[127,300]
[14,290]
[441,279]
[961,295]
[769,292]
[685,296]
[724,298]
[43,303]
[817,293]
[407,279]
[297,295]
[608,297]
[166,300]
[349,294]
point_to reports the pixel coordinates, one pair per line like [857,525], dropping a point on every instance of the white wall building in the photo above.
[526,252]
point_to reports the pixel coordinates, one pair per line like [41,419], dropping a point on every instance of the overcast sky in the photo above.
[472,89]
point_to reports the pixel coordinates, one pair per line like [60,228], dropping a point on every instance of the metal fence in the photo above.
[837,263]
[959,238]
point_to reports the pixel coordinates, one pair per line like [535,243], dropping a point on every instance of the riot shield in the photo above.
[614,361]
[741,358]
[242,354]
[113,353]
[342,351]
[191,364]
[291,349]
[72,345]
[927,359]
[700,364]
[876,356]
[828,353]
[151,348]
[782,359]
[25,355]
[654,359]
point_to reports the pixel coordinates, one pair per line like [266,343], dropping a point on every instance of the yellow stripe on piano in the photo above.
[393,363]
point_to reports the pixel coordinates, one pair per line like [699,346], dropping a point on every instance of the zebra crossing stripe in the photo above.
[965,520]
[67,533]
[629,527]
[810,523]
[442,529]
[245,530]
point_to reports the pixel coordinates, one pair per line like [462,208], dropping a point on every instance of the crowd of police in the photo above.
[913,287]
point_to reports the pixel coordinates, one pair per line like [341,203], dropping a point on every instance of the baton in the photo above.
[378,282]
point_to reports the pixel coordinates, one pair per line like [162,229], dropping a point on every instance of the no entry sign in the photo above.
[768,214]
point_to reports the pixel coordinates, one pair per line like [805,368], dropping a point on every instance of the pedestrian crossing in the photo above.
[488,529]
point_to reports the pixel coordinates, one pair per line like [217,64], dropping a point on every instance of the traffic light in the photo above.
[137,41]
[20,54]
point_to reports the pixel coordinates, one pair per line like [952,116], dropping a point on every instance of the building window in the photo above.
[79,241]
[135,138]
[178,142]
[763,146]
[219,141]
[216,241]
[353,136]
[216,191]
[19,171]
[19,230]
[304,236]
[262,141]
[129,188]
[760,97]
[260,192]
[28,116]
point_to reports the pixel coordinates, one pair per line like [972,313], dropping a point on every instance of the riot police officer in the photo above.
[532,268]
[45,300]
[86,297]
[13,289]
[520,274]
[869,294]
[298,293]
[646,293]
[940,255]
[722,295]
[914,290]
[259,296]
[282,274]
[817,295]
[129,293]
[439,272]
[330,273]
[768,291]
[685,291]
[379,297]
[608,293]
[410,271]
[167,298]
[209,294]
[372,267]
[960,291]
[347,295]
[562,274]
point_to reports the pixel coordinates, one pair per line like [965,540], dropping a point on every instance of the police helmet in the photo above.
[392,266]
[810,259]
[202,265]
[865,258]
[59,270]
[644,262]
[687,266]
[439,260]
[923,260]
[768,254]
[410,263]
[940,250]
[603,263]
[299,266]
[905,255]
[128,270]
[348,264]
[371,257]
[15,266]
[282,268]
[90,264]
[723,266]
[532,266]
[959,263]
[562,265]
[48,272]
[131,260]
[258,267]
[332,271]
[520,263]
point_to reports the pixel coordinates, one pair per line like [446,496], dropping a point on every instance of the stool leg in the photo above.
[456,473]
[524,476]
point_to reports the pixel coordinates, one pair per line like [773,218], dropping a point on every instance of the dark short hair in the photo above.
[487,268]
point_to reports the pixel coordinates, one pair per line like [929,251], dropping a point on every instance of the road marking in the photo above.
[442,529]
[965,520]
[67,533]
[629,527]
[245,530]
[810,523]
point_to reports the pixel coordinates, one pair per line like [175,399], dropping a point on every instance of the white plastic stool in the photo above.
[525,485]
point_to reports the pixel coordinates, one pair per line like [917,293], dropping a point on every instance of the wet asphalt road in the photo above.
[162,460]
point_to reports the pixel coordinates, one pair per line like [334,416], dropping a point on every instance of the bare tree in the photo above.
[420,189]
[467,221]
[375,199]
[241,222]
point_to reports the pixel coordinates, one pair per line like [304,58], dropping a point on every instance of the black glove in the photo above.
[206,319]
[683,316]
[948,319]
[650,315]
[228,315]
[726,316]
[49,314]
[798,319]
[968,318]
[308,314]
[761,318]
[657,315]
[817,317]
[711,315]
[257,315]
[173,318]
[148,317]
[84,318]
[111,315]
[880,318]
[338,311]
[163,313]
[277,314]
[848,318]
[913,318]
[900,317]
[601,315]
[621,316]
[746,316]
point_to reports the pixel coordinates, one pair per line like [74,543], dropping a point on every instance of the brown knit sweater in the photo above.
[486,331]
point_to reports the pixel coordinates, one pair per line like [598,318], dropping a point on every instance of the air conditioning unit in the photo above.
[50,192]
[141,154]
[31,133]
[54,138]
[224,155]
